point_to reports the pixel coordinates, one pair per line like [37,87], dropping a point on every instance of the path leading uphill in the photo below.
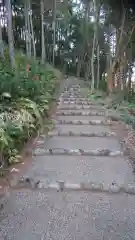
[80,184]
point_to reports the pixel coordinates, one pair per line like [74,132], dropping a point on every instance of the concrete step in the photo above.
[73,99]
[80,134]
[80,113]
[81,118]
[71,95]
[84,122]
[78,169]
[77,102]
[82,128]
[75,152]
[79,107]
[81,143]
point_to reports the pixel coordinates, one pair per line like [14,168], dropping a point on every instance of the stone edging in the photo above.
[81,134]
[79,107]
[77,102]
[81,113]
[84,122]
[61,185]
[75,152]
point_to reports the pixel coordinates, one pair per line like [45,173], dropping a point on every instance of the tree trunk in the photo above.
[32,32]
[29,29]
[27,40]
[79,66]
[85,41]
[129,81]
[10,33]
[115,66]
[87,72]
[43,55]
[1,43]
[96,5]
[92,63]
[97,9]
[98,66]
[54,31]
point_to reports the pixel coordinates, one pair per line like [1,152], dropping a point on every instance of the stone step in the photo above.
[73,99]
[79,107]
[82,128]
[80,134]
[71,90]
[61,186]
[71,95]
[78,89]
[76,152]
[84,122]
[80,143]
[68,99]
[80,113]
[77,102]
[78,169]
[81,118]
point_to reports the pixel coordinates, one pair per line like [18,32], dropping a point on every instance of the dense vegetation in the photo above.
[27,89]
[26,95]
[92,39]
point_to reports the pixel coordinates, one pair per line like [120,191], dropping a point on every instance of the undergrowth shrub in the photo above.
[25,96]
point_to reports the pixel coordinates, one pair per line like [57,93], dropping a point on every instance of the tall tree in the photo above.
[1,42]
[43,56]
[31,27]
[54,29]
[27,29]
[10,33]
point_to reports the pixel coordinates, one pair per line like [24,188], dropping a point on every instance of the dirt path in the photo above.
[81,153]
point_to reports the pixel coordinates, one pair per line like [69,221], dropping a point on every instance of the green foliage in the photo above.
[95,95]
[25,96]
[128,119]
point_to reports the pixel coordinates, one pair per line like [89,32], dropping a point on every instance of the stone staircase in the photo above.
[81,153]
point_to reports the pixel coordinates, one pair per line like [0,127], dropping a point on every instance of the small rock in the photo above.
[54,186]
[38,152]
[14,170]
[115,154]
[130,188]
[113,134]
[57,151]
[108,122]
[91,153]
[101,134]
[74,152]
[104,152]
[41,184]
[61,184]
[92,186]
[72,186]
[114,188]
[96,122]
